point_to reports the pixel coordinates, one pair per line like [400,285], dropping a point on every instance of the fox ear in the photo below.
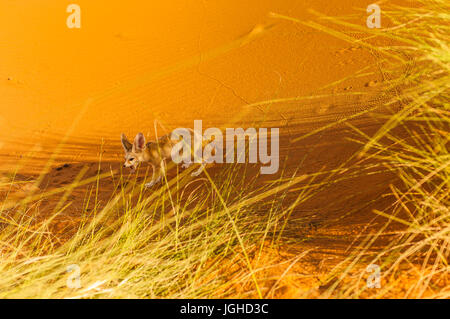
[127,146]
[139,142]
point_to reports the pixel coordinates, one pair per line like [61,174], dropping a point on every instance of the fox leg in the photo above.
[203,164]
[200,169]
[186,160]
[158,172]
[186,165]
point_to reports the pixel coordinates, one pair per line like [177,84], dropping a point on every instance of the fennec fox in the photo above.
[155,153]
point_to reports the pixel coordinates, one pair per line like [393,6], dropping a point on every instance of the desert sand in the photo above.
[131,65]
[135,66]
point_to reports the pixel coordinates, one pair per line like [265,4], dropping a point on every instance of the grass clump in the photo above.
[186,239]
[413,143]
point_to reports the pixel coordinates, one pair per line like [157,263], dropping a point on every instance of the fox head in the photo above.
[134,152]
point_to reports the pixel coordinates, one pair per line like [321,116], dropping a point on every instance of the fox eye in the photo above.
[132,159]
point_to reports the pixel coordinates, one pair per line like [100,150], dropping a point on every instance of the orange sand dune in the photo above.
[144,61]
[145,65]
